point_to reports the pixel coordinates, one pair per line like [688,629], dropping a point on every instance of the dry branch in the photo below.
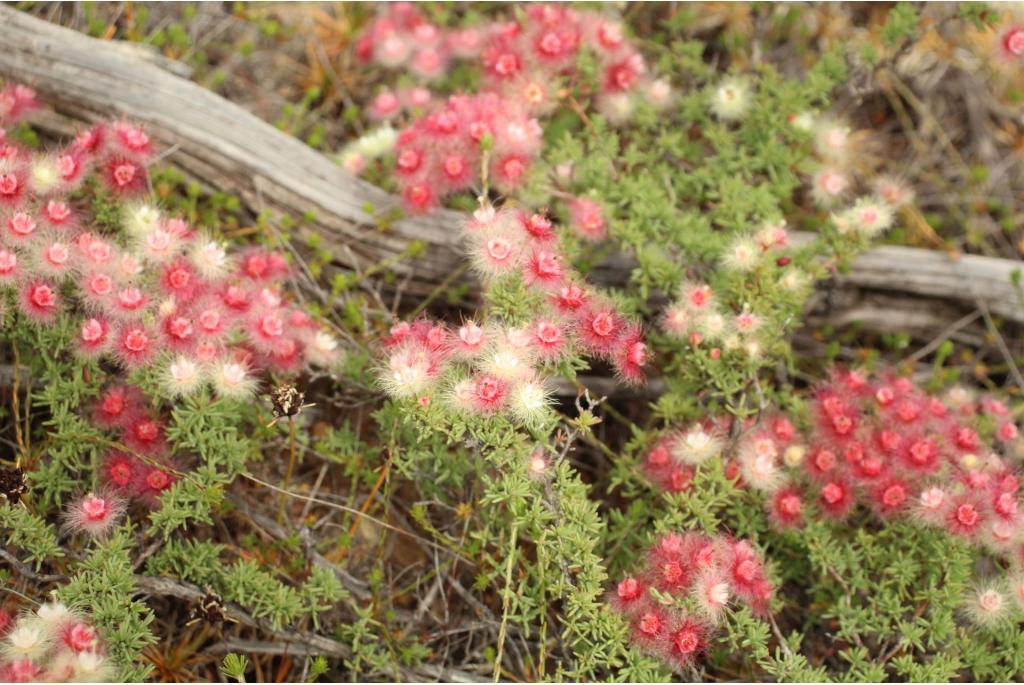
[230,149]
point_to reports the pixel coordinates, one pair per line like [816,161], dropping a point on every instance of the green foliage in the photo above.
[103,584]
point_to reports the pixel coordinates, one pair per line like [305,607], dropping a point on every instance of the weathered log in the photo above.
[229,148]
[221,144]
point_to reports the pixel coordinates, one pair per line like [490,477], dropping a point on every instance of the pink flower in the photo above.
[544,269]
[628,596]
[124,176]
[587,219]
[687,641]
[385,106]
[40,301]
[631,356]
[134,345]
[93,336]
[95,515]
[489,394]
[787,508]
[599,328]
[570,298]
[122,472]
[964,516]
[20,226]
[8,265]
[836,498]
[1012,41]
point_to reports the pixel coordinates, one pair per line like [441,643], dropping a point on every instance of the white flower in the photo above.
[530,401]
[730,100]
[713,326]
[872,216]
[323,349]
[794,280]
[804,121]
[460,395]
[158,245]
[377,142]
[90,667]
[895,191]
[986,605]
[141,219]
[182,377]
[659,94]
[832,140]
[742,255]
[53,613]
[407,373]
[696,445]
[27,641]
[509,364]
[617,108]
[45,175]
[210,258]
[828,186]
[794,455]
[232,379]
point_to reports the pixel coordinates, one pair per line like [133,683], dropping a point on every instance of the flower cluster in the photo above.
[701,318]
[884,441]
[161,293]
[503,362]
[522,63]
[53,644]
[141,468]
[833,182]
[523,58]
[877,440]
[680,597]
[443,152]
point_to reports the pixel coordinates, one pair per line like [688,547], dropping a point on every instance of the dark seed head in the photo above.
[13,484]
[287,400]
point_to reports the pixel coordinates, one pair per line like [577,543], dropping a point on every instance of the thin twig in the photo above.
[505,603]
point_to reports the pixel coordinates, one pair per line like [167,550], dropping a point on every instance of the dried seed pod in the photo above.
[209,609]
[13,484]
[287,401]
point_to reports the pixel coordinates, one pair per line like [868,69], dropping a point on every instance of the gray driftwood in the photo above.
[228,148]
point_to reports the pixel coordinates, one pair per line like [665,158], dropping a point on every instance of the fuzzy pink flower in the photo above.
[134,345]
[93,336]
[95,514]
[628,596]
[20,226]
[8,265]
[1012,41]
[124,176]
[40,301]
[786,509]
[544,269]
[631,356]
[122,471]
[964,516]
[570,298]
[587,219]
[489,394]
[549,339]
[836,497]
[688,639]
[599,328]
